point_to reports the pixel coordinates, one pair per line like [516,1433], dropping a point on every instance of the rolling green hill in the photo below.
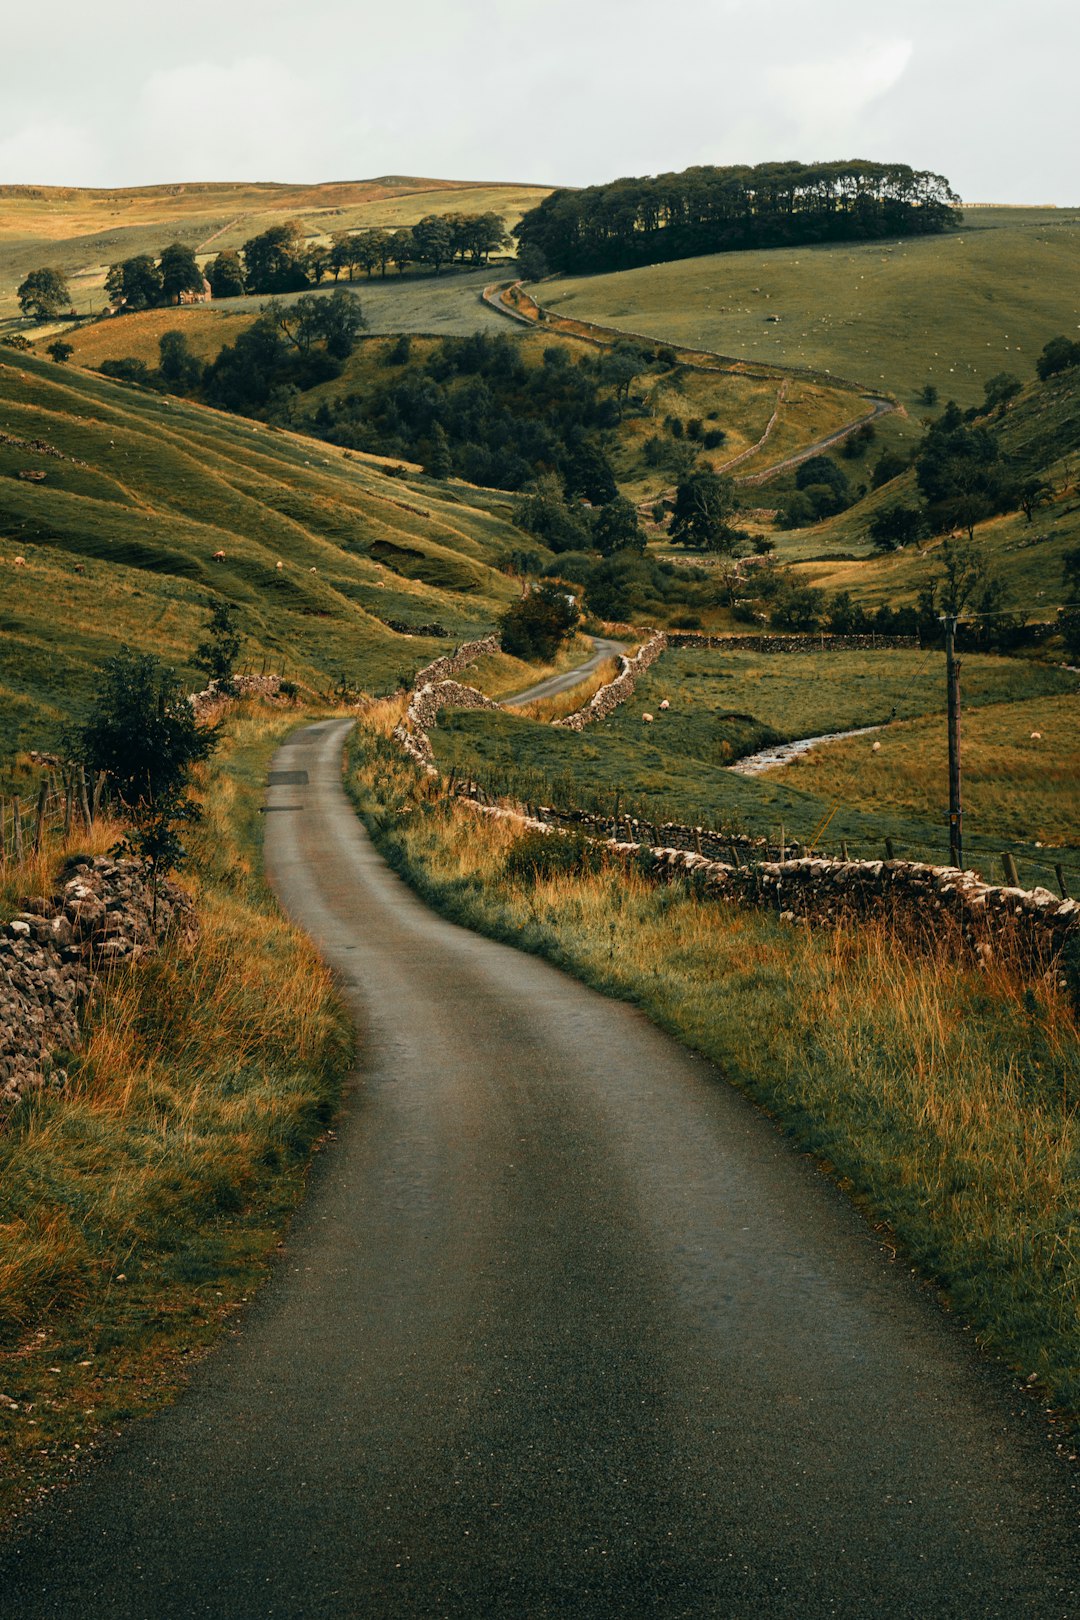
[950,310]
[118,544]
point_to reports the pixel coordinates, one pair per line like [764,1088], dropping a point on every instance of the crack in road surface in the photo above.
[564,1328]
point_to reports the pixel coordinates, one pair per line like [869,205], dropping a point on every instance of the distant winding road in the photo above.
[564,1328]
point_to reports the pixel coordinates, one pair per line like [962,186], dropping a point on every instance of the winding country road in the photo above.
[569,678]
[564,1328]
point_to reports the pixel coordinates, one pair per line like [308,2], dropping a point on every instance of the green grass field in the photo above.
[118,544]
[724,706]
[951,310]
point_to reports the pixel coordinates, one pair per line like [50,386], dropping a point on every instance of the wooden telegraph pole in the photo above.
[952,679]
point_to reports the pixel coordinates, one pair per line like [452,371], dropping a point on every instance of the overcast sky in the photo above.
[567,92]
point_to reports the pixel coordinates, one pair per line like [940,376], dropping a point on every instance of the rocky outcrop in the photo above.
[57,950]
[609,696]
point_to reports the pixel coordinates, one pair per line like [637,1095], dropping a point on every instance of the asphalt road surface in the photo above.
[564,1328]
[569,677]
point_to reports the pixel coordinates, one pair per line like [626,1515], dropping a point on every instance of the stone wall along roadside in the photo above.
[609,696]
[55,953]
[434,689]
[810,642]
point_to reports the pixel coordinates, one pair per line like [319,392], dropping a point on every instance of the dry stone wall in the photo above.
[56,951]
[922,901]
[434,690]
[790,644]
[610,696]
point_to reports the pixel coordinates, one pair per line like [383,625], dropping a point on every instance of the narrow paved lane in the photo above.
[564,1329]
[569,678]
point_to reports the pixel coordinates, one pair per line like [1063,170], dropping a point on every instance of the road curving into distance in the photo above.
[569,678]
[564,1328]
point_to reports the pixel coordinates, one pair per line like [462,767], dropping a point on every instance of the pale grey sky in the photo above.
[568,92]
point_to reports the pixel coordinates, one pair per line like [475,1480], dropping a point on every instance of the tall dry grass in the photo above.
[944,1096]
[138,1206]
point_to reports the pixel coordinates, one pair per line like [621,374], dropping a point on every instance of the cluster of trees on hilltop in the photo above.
[711,210]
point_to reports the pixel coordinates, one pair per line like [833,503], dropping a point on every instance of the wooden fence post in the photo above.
[890,853]
[69,803]
[1012,877]
[843,850]
[16,831]
[39,823]
[84,802]
[1059,873]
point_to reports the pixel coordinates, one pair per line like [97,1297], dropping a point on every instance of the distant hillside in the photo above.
[948,310]
[118,544]
[82,232]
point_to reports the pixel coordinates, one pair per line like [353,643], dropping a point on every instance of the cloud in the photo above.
[49,152]
[824,100]
[255,117]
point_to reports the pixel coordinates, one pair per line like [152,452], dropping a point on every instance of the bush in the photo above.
[536,626]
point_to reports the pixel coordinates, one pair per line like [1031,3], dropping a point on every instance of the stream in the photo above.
[784,753]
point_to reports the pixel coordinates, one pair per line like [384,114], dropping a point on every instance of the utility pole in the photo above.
[952,680]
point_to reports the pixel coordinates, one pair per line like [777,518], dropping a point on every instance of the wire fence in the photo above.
[66,797]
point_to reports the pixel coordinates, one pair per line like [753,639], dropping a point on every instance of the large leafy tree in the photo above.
[135,283]
[432,241]
[703,504]
[226,274]
[141,729]
[274,260]
[43,293]
[180,272]
[536,626]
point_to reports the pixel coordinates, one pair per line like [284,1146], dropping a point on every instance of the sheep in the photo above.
[281,565]
[19,562]
[648,719]
[219,556]
[665,704]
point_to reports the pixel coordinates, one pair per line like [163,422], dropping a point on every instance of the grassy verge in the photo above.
[138,1210]
[944,1098]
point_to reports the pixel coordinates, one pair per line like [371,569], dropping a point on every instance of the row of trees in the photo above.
[710,210]
[143,282]
[281,259]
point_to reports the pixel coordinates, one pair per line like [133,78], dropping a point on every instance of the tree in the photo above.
[536,626]
[619,366]
[141,729]
[616,528]
[703,504]
[798,607]
[142,732]
[60,351]
[402,249]
[180,370]
[273,260]
[960,472]
[218,653]
[889,465]
[440,463]
[1057,355]
[589,474]
[43,293]
[999,389]
[895,526]
[179,271]
[546,514]
[928,395]
[226,275]
[432,241]
[1032,493]
[825,485]
[135,283]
